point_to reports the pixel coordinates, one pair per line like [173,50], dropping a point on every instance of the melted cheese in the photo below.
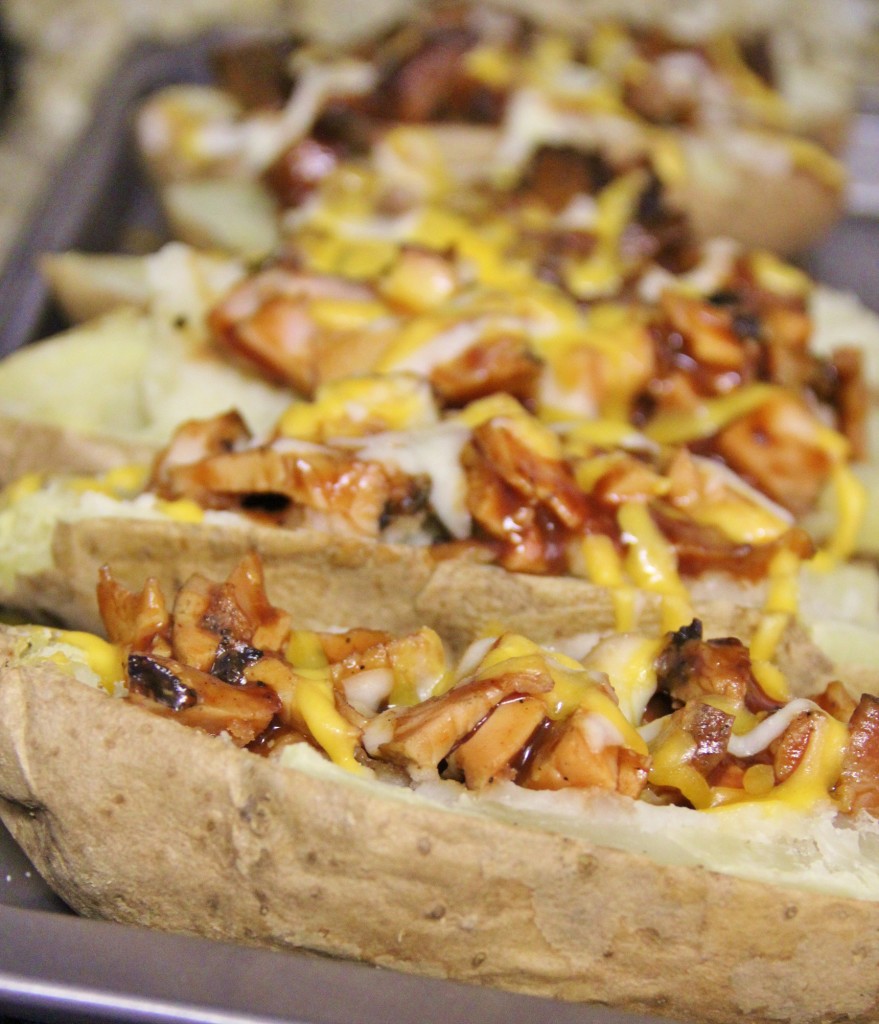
[436,454]
[674,427]
[739,511]
[604,567]
[814,776]
[671,767]
[106,660]
[181,510]
[810,157]
[352,406]
[850,497]
[25,486]
[777,276]
[600,273]
[628,661]
[574,687]
[420,668]
[770,729]
[652,564]
[766,103]
[314,700]
[491,65]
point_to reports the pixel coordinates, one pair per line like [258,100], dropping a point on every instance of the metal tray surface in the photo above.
[100,200]
[57,967]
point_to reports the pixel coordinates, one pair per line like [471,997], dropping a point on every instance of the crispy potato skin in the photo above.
[27,446]
[325,582]
[786,213]
[261,855]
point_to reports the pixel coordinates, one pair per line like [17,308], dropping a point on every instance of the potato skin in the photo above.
[325,582]
[786,213]
[201,838]
[27,446]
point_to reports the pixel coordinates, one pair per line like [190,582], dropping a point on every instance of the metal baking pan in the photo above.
[57,967]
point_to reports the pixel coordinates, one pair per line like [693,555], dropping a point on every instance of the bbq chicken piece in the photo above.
[584,751]
[691,754]
[690,668]
[136,621]
[277,319]
[194,441]
[198,699]
[781,448]
[524,497]
[220,627]
[858,786]
[290,484]
[498,364]
[491,753]
[420,737]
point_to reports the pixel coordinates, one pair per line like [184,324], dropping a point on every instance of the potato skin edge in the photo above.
[248,851]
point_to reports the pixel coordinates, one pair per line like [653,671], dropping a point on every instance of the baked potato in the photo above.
[727,122]
[375,827]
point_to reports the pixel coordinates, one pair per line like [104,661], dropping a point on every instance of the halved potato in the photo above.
[558,898]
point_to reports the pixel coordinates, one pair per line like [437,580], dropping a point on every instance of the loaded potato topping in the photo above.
[375,457]
[671,719]
[292,113]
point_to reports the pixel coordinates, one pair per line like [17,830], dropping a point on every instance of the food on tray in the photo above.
[625,319]
[724,121]
[569,820]
[372,478]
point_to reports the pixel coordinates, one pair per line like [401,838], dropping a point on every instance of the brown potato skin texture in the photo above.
[785,213]
[247,851]
[325,582]
[27,446]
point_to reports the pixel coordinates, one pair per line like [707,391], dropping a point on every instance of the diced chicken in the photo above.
[858,786]
[269,626]
[500,364]
[200,700]
[420,737]
[529,502]
[267,319]
[836,701]
[791,746]
[322,488]
[556,174]
[627,479]
[690,668]
[852,399]
[194,441]
[299,170]
[709,728]
[701,548]
[201,617]
[136,621]
[778,448]
[489,755]
[427,83]
[706,331]
[415,662]
[580,752]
